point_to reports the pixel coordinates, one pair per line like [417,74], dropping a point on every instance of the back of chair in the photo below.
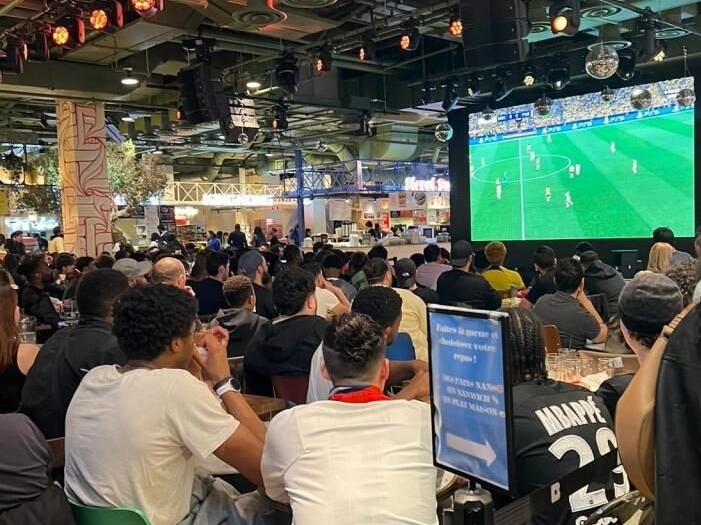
[401,349]
[58,451]
[552,338]
[107,516]
[291,388]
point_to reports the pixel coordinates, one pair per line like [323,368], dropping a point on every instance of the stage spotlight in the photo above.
[147,8]
[455,23]
[106,16]
[287,72]
[367,50]
[502,89]
[473,84]
[543,106]
[558,73]
[626,64]
[280,122]
[450,98]
[253,85]
[652,49]
[565,16]
[69,32]
[366,124]
[409,38]
[322,60]
[126,117]
[530,75]
[14,56]
[40,50]
[427,93]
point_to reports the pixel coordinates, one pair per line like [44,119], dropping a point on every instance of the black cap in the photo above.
[405,270]
[462,251]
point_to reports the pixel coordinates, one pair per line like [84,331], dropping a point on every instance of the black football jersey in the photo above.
[558,428]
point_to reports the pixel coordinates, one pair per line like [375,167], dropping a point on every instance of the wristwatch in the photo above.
[228,385]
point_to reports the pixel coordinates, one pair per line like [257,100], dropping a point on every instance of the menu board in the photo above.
[471,394]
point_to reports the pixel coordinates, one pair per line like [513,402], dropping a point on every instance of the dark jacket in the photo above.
[459,288]
[287,350]
[677,429]
[611,390]
[237,239]
[246,329]
[37,302]
[59,368]
[600,278]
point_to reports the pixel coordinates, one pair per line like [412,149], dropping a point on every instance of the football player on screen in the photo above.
[557,428]
[568,200]
[547,194]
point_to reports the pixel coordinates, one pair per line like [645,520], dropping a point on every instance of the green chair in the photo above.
[107,516]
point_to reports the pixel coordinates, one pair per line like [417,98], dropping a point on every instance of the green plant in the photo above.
[133,178]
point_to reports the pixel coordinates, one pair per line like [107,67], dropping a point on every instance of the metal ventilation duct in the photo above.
[259,13]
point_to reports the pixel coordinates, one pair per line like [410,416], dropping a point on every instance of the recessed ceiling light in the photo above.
[157,151]
[268,154]
[128,118]
[253,84]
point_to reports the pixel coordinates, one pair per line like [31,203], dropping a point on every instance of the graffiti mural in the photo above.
[87,201]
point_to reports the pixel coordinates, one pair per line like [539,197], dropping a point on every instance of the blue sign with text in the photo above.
[470,394]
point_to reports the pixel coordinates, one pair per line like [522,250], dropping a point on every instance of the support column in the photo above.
[86,199]
[299,172]
[459,171]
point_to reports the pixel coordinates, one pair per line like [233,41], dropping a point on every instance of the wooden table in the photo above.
[265,407]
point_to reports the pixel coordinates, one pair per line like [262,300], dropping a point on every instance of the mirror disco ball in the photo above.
[640,99]
[601,62]
[543,106]
[488,114]
[321,146]
[607,94]
[243,138]
[686,97]
[443,132]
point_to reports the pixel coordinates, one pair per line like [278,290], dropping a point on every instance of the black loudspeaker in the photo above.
[494,32]
[202,94]
[626,261]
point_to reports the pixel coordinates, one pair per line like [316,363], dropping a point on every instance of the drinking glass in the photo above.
[605,366]
[570,370]
[586,366]
[27,329]
[553,364]
[70,312]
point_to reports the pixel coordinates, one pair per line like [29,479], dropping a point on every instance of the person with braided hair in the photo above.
[358,457]
[557,428]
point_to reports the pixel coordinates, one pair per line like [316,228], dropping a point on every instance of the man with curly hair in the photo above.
[134,433]
[323,458]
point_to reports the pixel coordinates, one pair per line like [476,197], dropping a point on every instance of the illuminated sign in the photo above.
[432,184]
[219,199]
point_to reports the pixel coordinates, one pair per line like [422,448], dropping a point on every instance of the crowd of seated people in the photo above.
[151,330]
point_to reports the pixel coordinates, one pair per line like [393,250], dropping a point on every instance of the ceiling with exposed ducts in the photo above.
[396,93]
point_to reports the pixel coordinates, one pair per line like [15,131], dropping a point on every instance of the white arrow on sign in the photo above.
[476,450]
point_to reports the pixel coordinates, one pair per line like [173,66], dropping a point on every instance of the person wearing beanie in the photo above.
[502,279]
[647,303]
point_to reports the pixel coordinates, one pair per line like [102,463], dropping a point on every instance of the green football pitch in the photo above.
[623,180]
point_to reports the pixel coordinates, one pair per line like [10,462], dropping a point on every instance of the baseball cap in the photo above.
[462,251]
[249,263]
[648,302]
[132,268]
[405,270]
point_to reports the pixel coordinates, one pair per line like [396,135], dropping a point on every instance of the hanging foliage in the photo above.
[43,198]
[132,178]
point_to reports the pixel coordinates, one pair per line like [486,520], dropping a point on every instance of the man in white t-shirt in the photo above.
[330,300]
[359,457]
[384,306]
[135,432]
